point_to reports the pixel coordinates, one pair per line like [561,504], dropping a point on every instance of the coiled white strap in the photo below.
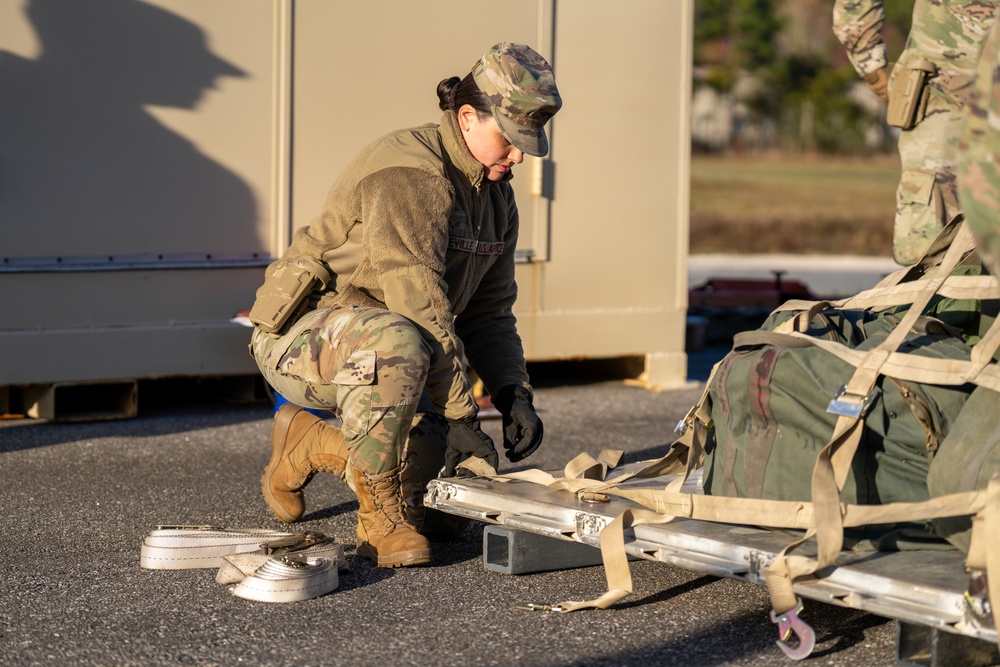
[289,578]
[236,567]
[265,565]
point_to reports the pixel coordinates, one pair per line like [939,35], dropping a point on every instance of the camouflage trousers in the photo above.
[368,366]
[979,162]
[927,196]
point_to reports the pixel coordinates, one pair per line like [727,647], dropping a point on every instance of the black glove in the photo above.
[522,429]
[465,439]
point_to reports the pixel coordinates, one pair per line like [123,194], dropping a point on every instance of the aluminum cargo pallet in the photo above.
[924,588]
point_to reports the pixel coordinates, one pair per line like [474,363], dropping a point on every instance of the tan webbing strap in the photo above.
[976,557]
[237,567]
[722,509]
[692,432]
[991,519]
[984,350]
[831,470]
[667,504]
[904,366]
[587,467]
[899,365]
[894,288]
[826,516]
[801,304]
[685,454]
[984,550]
[615,560]
[803,320]
[583,473]
[283,571]
[953,287]
[791,340]
[795,514]
[879,298]
[834,461]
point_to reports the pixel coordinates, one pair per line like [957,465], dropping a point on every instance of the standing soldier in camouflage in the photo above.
[978,161]
[926,93]
[375,307]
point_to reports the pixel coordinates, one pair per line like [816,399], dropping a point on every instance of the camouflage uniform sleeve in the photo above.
[406,211]
[858,26]
[487,325]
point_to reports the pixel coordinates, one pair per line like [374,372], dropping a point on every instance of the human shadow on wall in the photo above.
[85,169]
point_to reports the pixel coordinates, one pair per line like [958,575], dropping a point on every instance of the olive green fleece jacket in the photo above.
[413,226]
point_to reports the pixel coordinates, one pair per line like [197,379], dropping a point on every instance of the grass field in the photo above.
[793,204]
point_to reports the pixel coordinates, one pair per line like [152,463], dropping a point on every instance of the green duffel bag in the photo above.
[769,403]
[969,456]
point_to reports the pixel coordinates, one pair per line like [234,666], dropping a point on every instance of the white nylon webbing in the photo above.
[289,579]
[258,564]
[189,547]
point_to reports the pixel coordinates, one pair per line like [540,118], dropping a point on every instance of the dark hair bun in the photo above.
[446,92]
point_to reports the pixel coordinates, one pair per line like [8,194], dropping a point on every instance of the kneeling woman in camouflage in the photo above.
[375,307]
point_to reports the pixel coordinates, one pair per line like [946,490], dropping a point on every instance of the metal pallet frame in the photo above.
[921,588]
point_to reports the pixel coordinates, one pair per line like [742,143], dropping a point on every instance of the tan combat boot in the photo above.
[302,445]
[384,534]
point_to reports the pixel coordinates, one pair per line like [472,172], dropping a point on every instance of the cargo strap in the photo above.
[664,505]
[286,578]
[834,461]
[186,547]
[259,564]
[825,517]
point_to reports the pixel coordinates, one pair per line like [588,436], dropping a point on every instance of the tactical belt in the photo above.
[264,565]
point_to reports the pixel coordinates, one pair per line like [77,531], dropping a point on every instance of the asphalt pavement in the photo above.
[78,499]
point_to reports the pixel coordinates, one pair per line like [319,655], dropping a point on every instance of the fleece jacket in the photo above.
[412,225]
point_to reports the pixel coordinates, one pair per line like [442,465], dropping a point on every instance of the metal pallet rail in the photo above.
[924,588]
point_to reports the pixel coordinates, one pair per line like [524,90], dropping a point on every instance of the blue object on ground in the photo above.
[280,400]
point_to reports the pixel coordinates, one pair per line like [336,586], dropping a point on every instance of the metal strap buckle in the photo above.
[977,596]
[297,542]
[293,562]
[531,606]
[684,424]
[851,405]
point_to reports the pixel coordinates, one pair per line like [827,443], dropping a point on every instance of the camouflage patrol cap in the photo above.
[522,93]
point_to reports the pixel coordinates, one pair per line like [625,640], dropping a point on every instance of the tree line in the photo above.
[787,77]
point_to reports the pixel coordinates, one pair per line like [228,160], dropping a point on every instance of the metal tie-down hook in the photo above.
[789,623]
